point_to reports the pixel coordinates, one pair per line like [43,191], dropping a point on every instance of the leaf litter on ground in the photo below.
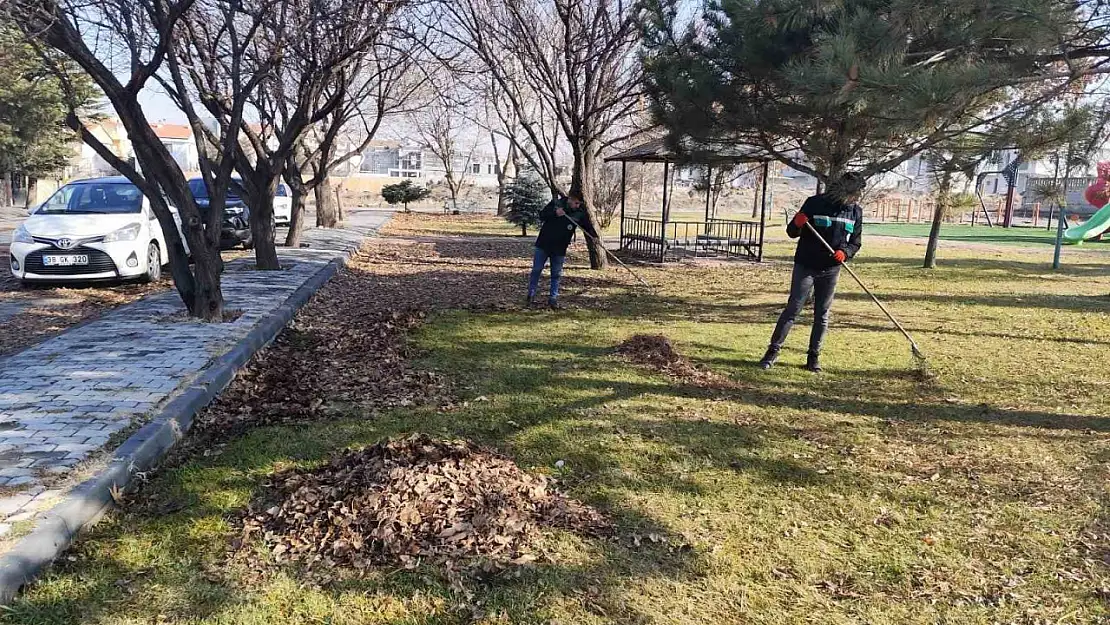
[657,352]
[414,500]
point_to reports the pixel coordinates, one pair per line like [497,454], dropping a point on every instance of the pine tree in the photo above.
[403,193]
[34,139]
[525,198]
[864,85]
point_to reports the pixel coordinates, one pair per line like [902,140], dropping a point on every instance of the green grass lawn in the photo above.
[863,495]
[977,234]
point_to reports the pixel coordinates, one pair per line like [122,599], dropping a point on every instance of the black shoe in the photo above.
[554,304]
[769,359]
[813,363]
[530,301]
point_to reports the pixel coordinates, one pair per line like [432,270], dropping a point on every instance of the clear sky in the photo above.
[159,107]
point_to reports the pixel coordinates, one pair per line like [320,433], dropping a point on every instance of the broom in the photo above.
[920,361]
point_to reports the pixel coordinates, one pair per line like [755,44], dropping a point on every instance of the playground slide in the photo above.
[1096,225]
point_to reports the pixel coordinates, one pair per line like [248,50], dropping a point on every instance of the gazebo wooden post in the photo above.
[763,210]
[708,192]
[624,192]
[666,212]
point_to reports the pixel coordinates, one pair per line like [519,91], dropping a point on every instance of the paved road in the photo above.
[63,399]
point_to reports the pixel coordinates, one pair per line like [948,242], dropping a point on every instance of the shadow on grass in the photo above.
[553,398]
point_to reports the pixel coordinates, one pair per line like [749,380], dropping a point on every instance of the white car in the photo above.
[97,229]
[283,205]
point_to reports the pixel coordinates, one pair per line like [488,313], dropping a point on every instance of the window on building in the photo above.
[476,168]
[489,169]
[412,161]
[367,165]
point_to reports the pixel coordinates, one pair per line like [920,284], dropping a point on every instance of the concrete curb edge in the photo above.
[83,505]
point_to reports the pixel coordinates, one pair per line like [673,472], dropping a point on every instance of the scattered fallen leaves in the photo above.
[51,311]
[413,500]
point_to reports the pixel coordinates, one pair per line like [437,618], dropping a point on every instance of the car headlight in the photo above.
[22,236]
[127,233]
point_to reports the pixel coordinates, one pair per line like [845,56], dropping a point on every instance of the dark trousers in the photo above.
[822,283]
[538,261]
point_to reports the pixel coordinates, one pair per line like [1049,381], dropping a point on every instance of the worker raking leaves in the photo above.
[561,218]
[829,229]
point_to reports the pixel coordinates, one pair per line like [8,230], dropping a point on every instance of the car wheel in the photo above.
[248,243]
[153,263]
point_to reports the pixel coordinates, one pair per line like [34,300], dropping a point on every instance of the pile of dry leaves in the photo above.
[418,499]
[658,353]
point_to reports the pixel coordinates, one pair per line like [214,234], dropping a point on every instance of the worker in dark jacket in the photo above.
[560,218]
[837,218]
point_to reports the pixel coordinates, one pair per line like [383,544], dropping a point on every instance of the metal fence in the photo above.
[674,240]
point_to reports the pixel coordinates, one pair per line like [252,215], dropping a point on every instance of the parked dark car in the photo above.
[235,229]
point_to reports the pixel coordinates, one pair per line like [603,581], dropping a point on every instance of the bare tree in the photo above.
[441,128]
[123,45]
[380,84]
[574,60]
[305,47]
[506,170]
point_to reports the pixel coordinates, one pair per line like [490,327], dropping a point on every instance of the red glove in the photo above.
[840,256]
[800,219]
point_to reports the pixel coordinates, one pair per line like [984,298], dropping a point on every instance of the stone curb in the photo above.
[55,529]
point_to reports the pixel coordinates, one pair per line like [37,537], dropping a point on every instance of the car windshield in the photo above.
[200,191]
[93,198]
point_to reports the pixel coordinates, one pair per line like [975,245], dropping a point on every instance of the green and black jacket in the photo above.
[838,223]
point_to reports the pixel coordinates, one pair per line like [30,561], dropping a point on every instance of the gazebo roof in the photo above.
[657,151]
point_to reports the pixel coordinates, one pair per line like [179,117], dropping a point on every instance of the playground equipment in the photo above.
[1097,195]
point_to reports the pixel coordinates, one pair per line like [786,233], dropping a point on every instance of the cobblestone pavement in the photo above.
[67,397]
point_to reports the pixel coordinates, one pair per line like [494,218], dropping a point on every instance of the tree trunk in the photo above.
[449,178]
[339,205]
[205,300]
[32,192]
[523,230]
[296,222]
[200,288]
[502,200]
[502,174]
[326,214]
[297,193]
[6,196]
[261,187]
[262,231]
[582,177]
[943,195]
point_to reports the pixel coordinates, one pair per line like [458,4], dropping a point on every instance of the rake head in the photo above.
[920,363]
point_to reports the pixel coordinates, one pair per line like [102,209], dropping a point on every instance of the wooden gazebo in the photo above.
[664,239]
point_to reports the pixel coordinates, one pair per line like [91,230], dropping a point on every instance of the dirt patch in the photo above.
[656,352]
[411,501]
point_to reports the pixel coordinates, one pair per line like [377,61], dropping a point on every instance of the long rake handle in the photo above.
[611,254]
[863,286]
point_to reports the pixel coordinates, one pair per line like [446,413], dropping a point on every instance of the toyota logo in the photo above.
[64,243]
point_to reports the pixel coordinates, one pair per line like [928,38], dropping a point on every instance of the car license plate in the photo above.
[65,261]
